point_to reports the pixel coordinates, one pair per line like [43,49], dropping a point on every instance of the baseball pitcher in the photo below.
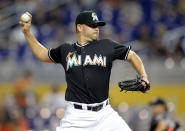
[87,64]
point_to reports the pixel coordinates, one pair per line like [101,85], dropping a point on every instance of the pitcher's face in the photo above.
[91,32]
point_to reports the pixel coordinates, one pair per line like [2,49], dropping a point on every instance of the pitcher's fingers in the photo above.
[29,22]
[21,23]
[144,84]
[29,14]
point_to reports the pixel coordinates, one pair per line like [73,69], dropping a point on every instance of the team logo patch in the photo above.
[76,60]
[94,16]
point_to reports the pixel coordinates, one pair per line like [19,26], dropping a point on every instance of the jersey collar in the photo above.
[81,45]
[85,45]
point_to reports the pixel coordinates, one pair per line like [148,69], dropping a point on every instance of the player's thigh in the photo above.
[113,122]
[119,124]
[73,129]
[65,129]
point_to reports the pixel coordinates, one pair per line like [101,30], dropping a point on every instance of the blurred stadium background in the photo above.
[154,28]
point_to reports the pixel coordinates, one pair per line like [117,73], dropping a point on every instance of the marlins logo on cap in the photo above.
[94,16]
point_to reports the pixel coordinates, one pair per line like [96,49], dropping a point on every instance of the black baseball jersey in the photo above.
[88,67]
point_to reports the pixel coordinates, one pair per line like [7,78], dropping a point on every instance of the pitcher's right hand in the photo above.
[25,26]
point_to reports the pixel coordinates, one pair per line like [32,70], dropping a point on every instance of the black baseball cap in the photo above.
[88,18]
[159,101]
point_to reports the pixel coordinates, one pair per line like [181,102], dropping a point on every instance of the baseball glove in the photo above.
[135,85]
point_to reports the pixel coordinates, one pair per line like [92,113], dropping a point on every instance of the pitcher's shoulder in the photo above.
[105,41]
[66,45]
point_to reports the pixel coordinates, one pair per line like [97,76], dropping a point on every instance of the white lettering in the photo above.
[73,60]
[79,60]
[104,61]
[98,61]
[88,60]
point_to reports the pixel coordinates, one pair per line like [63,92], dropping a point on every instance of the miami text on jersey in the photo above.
[76,60]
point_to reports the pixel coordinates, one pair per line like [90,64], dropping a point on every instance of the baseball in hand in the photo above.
[25,17]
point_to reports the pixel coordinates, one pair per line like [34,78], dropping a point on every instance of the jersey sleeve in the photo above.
[120,51]
[55,54]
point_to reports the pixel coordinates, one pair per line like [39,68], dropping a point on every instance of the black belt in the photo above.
[91,108]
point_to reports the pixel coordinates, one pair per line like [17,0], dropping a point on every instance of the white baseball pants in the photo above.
[105,119]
